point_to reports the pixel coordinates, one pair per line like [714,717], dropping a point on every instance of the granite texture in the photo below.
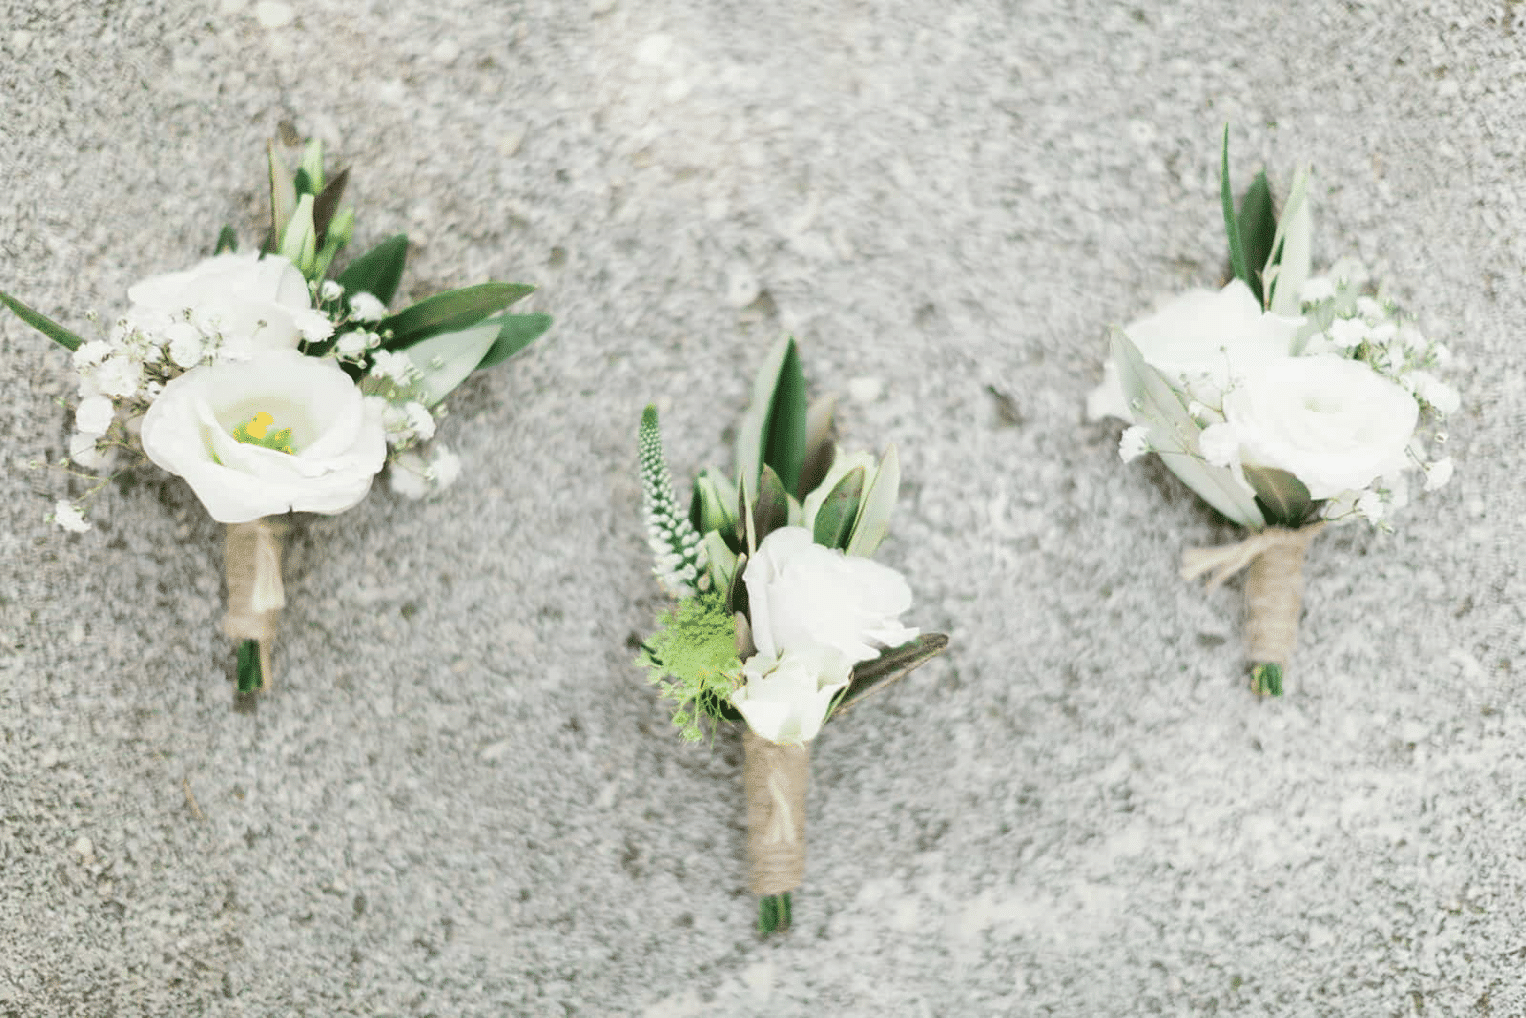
[462,799]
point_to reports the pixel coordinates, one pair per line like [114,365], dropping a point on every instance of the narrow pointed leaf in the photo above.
[1283,498]
[378,271]
[1291,250]
[736,590]
[283,194]
[1258,226]
[771,510]
[327,203]
[337,237]
[42,323]
[834,521]
[784,443]
[753,430]
[450,311]
[515,332]
[446,359]
[227,240]
[1174,435]
[819,448]
[298,241]
[893,664]
[302,183]
[873,523]
[712,506]
[722,560]
[1231,225]
[312,165]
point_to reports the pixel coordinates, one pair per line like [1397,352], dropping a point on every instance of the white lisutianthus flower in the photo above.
[1333,423]
[364,307]
[254,303]
[785,697]
[68,516]
[1438,473]
[1134,443]
[94,416]
[800,594]
[1200,339]
[276,433]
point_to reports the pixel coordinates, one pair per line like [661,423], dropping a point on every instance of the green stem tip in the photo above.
[774,912]
[1266,679]
[250,675]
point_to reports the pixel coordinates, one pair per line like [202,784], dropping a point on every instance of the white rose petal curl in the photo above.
[337,440]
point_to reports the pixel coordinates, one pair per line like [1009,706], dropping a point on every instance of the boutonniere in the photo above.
[782,619]
[1287,401]
[272,389]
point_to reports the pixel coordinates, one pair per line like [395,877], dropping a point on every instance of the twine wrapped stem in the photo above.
[775,777]
[252,564]
[1273,560]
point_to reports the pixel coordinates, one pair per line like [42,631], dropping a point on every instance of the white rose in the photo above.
[1199,339]
[336,443]
[1333,423]
[255,303]
[786,698]
[802,595]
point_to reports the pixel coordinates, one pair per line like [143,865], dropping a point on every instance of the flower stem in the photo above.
[251,673]
[774,912]
[1266,679]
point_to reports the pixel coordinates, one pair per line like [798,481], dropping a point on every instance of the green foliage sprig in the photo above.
[692,659]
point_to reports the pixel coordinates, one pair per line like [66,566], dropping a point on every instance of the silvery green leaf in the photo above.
[378,271]
[1258,227]
[723,561]
[1290,250]
[338,236]
[771,510]
[891,665]
[445,360]
[834,520]
[515,332]
[1284,499]
[819,448]
[753,431]
[1231,222]
[42,323]
[784,439]
[312,163]
[283,193]
[298,238]
[326,205]
[714,505]
[450,311]
[874,511]
[1158,408]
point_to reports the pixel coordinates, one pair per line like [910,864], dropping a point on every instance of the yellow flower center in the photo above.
[256,431]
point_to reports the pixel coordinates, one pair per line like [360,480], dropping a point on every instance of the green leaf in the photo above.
[713,505]
[1290,251]
[1174,435]
[873,523]
[249,674]
[337,237]
[1283,498]
[819,447]
[312,165]
[327,203]
[722,560]
[283,194]
[892,665]
[378,271]
[834,521]
[450,311]
[771,510]
[784,442]
[227,240]
[515,332]
[1231,225]
[1266,679]
[42,323]
[302,183]
[298,240]
[1257,226]
[753,431]
[736,590]
[446,359]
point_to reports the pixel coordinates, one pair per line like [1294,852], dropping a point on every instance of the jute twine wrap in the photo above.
[1273,585]
[252,562]
[775,777]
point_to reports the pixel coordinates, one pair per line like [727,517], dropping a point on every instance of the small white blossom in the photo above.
[446,467]
[352,343]
[66,515]
[94,416]
[1348,333]
[1370,309]
[1134,443]
[1435,392]
[1316,289]
[364,307]
[1370,506]
[396,366]
[409,475]
[330,290]
[92,353]
[119,376]
[419,420]
[1438,473]
[186,344]
[1219,444]
[83,451]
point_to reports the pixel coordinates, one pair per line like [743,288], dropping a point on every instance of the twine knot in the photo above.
[1273,585]
[775,778]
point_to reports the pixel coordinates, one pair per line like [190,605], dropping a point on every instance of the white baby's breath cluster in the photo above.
[397,389]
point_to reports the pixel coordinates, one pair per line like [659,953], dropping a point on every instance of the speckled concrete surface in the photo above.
[461,799]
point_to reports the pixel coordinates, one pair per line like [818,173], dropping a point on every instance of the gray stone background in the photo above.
[461,798]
